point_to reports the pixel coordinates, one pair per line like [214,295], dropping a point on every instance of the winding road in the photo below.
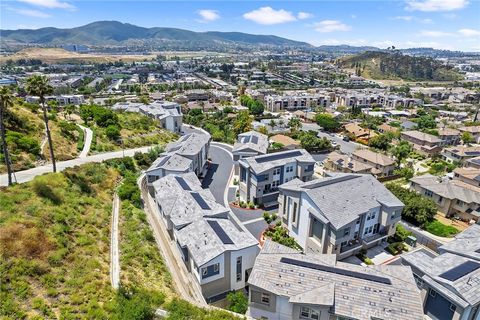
[88,136]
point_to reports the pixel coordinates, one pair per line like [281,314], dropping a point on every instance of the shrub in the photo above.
[50,187]
[395,248]
[112,132]
[238,302]
[129,191]
[251,205]
[243,204]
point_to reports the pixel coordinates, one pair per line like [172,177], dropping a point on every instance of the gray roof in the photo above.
[447,188]
[204,243]
[464,290]
[422,136]
[351,292]
[178,154]
[342,198]
[251,140]
[466,243]
[263,163]
[157,109]
[180,205]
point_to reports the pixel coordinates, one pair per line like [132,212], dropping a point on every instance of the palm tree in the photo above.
[6,101]
[37,85]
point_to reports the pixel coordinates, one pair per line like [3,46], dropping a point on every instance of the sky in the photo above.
[442,24]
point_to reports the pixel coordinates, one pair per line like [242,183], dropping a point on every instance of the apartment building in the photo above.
[381,165]
[460,153]
[288,285]
[473,163]
[449,281]
[188,154]
[423,142]
[292,102]
[261,176]
[467,175]
[249,144]
[62,100]
[340,214]
[219,255]
[454,198]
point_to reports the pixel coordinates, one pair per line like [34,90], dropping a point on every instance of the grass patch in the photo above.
[439,229]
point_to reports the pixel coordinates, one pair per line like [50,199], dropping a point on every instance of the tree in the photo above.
[310,142]
[37,85]
[68,110]
[426,122]
[294,124]
[381,142]
[327,122]
[6,101]
[243,122]
[401,151]
[467,137]
[238,302]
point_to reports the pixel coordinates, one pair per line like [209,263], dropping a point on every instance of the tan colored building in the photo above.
[287,142]
[468,175]
[382,165]
[358,132]
[473,130]
[423,142]
[339,162]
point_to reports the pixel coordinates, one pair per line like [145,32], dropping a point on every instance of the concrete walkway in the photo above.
[114,250]
[87,137]
[28,175]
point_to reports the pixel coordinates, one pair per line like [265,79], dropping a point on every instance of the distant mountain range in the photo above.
[114,33]
[118,34]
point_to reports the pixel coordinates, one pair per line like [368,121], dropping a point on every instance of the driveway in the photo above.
[346,147]
[218,174]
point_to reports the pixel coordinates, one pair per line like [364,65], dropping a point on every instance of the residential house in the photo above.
[473,130]
[449,281]
[423,142]
[188,154]
[261,176]
[340,214]
[339,162]
[358,132]
[287,142]
[473,163]
[460,153]
[468,175]
[454,198]
[384,128]
[288,285]
[219,255]
[382,165]
[249,144]
[450,137]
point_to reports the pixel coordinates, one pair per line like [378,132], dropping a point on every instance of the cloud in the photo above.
[208,15]
[269,16]
[412,18]
[383,44]
[434,34]
[50,4]
[435,5]
[304,15]
[330,26]
[29,13]
[469,32]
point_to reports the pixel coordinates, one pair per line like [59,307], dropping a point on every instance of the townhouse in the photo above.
[219,255]
[460,153]
[188,154]
[261,176]
[467,175]
[422,142]
[249,144]
[339,162]
[62,100]
[288,285]
[381,165]
[473,163]
[340,214]
[449,281]
[454,198]
[168,113]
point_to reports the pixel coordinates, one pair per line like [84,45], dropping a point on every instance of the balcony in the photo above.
[351,245]
[377,236]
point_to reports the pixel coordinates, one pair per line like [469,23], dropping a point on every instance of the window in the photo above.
[275,184]
[440,198]
[453,307]
[358,221]
[432,292]
[265,298]
[308,313]
[392,216]
[276,171]
[294,216]
[428,193]
[289,169]
[211,270]
[459,202]
[267,187]
[346,232]
[239,269]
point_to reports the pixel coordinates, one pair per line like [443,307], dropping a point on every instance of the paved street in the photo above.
[219,172]
[345,147]
[27,175]
[88,136]
[114,250]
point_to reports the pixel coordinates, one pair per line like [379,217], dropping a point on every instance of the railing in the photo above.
[352,244]
[380,234]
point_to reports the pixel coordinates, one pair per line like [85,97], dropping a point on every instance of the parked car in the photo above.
[346,138]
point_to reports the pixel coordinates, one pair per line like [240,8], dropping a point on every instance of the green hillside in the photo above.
[394,65]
